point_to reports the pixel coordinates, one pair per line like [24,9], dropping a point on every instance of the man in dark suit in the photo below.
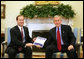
[61,39]
[20,40]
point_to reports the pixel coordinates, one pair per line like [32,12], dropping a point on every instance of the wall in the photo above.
[13,9]
[78,8]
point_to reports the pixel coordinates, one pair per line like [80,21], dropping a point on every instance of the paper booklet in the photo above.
[40,41]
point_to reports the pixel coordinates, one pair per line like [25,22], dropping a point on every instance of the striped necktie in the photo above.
[22,33]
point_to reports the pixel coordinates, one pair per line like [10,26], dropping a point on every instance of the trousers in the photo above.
[53,49]
[13,52]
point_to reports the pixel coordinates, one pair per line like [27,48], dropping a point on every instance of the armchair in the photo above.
[6,43]
[77,33]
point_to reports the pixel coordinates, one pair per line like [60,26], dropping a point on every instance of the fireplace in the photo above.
[41,33]
[41,26]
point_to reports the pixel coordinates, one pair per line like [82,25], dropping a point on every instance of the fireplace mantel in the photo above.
[43,24]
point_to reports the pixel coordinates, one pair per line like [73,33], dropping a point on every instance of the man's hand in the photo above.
[70,47]
[34,39]
[29,45]
[38,46]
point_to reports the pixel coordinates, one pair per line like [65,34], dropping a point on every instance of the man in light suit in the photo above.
[20,40]
[67,40]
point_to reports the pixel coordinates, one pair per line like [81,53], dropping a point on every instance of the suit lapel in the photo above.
[18,31]
[24,31]
[62,31]
[54,33]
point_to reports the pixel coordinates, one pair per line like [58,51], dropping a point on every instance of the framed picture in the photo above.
[3,11]
[46,2]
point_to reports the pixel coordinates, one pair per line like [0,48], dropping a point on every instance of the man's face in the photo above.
[20,21]
[57,21]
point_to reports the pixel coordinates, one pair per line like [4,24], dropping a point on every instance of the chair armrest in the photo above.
[4,43]
[79,44]
[78,48]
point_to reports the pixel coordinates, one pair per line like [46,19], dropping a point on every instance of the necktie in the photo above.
[20,48]
[58,40]
[22,33]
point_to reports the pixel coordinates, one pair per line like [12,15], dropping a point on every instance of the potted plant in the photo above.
[48,10]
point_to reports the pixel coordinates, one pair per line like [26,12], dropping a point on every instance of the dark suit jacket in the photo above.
[67,36]
[16,37]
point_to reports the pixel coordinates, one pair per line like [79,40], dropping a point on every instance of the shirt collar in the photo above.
[20,27]
[59,28]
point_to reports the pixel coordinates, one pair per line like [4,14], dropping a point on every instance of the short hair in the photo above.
[18,16]
[58,16]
